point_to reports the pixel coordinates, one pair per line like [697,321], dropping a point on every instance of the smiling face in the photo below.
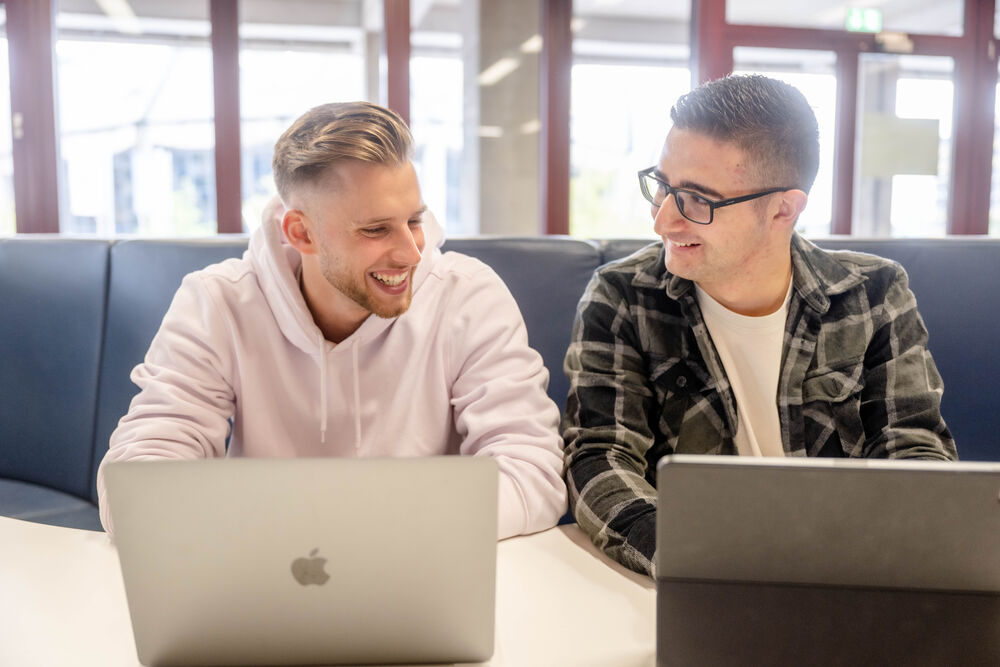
[746,248]
[359,230]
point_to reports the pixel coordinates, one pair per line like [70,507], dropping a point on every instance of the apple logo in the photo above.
[310,570]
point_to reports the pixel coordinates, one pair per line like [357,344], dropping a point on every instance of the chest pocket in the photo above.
[831,409]
[679,386]
[673,375]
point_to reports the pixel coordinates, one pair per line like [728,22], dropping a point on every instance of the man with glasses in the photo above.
[735,335]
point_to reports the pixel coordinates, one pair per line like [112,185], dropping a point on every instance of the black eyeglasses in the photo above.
[691,205]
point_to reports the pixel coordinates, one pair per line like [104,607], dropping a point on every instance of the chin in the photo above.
[388,312]
[677,270]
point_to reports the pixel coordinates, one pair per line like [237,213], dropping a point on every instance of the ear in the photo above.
[790,205]
[297,229]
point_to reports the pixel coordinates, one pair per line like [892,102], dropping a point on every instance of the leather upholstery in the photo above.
[77,314]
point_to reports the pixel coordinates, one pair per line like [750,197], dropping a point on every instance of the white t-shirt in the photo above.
[750,349]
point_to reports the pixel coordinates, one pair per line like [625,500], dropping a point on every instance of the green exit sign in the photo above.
[864,20]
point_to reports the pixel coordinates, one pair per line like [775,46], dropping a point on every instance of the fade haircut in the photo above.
[767,119]
[336,132]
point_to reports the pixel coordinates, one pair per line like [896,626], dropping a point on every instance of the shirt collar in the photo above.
[816,275]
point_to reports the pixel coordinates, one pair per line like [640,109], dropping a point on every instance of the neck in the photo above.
[335,320]
[754,296]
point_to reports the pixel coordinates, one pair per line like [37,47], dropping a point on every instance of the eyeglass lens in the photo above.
[690,205]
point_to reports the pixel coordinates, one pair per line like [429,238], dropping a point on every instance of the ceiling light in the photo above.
[122,16]
[497,71]
[532,45]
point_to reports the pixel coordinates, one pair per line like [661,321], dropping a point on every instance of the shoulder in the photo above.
[463,275]
[217,289]
[456,264]
[465,301]
[638,279]
[647,261]
[459,287]
[864,263]
[229,276]
[231,271]
[880,277]
[844,272]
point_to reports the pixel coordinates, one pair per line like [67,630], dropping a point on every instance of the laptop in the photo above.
[827,562]
[308,561]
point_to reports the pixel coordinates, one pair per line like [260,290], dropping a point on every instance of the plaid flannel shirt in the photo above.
[646,380]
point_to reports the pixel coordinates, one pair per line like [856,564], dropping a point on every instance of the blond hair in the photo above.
[332,133]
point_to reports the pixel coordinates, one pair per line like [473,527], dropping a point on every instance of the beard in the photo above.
[361,293]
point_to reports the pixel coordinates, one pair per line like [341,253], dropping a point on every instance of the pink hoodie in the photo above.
[452,375]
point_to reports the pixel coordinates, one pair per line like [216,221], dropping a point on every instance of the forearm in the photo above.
[901,400]
[174,416]
[530,499]
[607,432]
[615,505]
[501,409]
[905,421]
[513,421]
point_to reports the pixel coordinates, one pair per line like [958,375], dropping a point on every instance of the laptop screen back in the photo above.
[827,562]
[896,524]
[298,561]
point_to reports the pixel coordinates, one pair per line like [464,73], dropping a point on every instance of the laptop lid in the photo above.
[827,561]
[306,561]
[884,523]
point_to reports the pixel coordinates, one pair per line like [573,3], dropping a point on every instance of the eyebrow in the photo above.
[374,221]
[689,185]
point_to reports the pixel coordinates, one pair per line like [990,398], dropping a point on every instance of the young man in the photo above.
[736,335]
[284,344]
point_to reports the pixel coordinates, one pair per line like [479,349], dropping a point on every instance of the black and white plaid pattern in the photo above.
[646,380]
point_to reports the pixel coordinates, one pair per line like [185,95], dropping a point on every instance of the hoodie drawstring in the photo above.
[357,399]
[322,389]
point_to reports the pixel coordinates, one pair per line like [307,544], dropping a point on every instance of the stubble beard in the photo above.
[359,293]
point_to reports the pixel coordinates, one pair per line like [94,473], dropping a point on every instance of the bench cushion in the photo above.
[52,306]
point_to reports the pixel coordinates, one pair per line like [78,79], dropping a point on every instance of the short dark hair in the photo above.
[335,132]
[768,119]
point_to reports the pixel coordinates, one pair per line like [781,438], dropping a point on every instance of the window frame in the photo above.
[30,35]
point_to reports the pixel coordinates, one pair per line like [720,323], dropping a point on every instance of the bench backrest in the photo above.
[76,315]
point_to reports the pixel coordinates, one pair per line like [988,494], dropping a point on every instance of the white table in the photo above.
[559,602]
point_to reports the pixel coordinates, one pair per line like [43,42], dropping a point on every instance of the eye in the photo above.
[416,222]
[696,199]
[700,199]
[373,231]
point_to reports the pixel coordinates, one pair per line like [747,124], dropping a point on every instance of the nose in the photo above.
[667,215]
[409,245]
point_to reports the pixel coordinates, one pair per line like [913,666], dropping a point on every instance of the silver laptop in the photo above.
[827,561]
[308,561]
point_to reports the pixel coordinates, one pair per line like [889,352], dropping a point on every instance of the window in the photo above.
[812,72]
[940,17]
[994,223]
[7,220]
[903,170]
[135,121]
[630,66]
[294,56]
[437,107]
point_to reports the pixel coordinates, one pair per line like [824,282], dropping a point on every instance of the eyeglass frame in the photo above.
[712,205]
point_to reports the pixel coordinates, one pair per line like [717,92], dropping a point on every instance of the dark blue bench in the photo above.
[76,315]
